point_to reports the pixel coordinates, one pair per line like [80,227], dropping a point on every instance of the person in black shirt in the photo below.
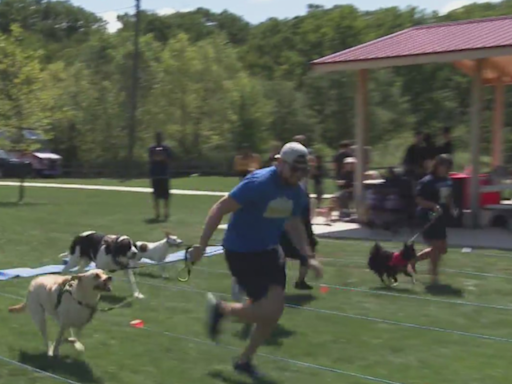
[317,175]
[338,159]
[434,199]
[160,156]
[413,161]
[447,147]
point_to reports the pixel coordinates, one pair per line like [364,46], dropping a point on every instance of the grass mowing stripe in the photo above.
[348,315]
[278,358]
[372,291]
[29,368]
[184,337]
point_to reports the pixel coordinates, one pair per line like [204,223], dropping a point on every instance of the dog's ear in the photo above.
[143,247]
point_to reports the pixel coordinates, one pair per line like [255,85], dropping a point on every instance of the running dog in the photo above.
[71,300]
[158,251]
[109,252]
[390,264]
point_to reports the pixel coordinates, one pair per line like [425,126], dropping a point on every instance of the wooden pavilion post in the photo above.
[498,123]
[476,116]
[360,136]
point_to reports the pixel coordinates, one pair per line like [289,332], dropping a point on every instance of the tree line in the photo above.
[213,81]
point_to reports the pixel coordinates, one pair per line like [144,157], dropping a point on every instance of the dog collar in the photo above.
[68,288]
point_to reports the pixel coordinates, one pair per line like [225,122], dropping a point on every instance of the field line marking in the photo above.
[273,357]
[278,358]
[119,189]
[348,315]
[385,293]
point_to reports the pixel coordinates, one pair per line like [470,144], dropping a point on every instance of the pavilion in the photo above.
[481,48]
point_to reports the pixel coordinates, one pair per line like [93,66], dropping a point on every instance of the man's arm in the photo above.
[298,235]
[223,207]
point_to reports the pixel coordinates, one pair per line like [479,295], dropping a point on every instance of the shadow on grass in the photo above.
[221,376]
[14,204]
[276,339]
[397,289]
[299,300]
[153,220]
[62,366]
[444,290]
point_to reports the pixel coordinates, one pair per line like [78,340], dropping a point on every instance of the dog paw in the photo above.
[138,295]
[79,346]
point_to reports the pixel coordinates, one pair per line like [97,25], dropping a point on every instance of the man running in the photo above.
[264,204]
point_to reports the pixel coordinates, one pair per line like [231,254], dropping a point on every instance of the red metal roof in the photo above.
[431,39]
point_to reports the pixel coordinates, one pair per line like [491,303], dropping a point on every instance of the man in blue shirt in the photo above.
[263,205]
[160,156]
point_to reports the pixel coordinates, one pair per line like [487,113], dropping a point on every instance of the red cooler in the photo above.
[462,182]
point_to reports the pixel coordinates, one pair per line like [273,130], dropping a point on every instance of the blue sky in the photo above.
[255,10]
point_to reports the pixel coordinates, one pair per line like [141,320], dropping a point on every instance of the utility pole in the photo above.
[135,90]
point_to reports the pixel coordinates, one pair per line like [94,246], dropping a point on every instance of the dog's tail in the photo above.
[18,308]
[373,260]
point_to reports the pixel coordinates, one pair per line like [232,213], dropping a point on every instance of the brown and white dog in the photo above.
[71,300]
[109,252]
[159,250]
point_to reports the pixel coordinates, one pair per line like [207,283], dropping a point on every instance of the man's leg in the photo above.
[156,205]
[167,197]
[264,313]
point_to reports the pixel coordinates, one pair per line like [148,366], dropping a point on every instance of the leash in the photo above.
[433,218]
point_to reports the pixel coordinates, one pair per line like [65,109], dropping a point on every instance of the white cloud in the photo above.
[111,19]
[453,5]
[113,25]
[166,11]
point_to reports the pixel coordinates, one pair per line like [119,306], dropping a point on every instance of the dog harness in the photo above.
[68,288]
[398,260]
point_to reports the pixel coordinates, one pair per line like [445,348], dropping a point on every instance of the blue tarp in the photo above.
[8,274]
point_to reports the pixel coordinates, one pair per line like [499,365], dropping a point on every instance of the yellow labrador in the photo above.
[71,300]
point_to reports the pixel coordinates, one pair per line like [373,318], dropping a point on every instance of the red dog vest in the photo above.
[398,260]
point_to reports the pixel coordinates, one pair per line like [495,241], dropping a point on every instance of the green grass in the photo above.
[342,329]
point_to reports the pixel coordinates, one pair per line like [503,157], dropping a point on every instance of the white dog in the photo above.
[109,253]
[71,300]
[158,251]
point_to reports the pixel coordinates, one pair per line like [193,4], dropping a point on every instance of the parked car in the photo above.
[44,164]
[12,167]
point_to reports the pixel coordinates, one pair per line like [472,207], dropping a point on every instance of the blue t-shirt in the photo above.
[437,190]
[266,204]
[159,158]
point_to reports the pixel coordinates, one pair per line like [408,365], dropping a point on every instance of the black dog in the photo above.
[386,263]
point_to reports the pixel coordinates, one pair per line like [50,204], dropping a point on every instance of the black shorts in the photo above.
[436,230]
[256,272]
[160,188]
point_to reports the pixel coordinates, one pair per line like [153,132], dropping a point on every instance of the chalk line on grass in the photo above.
[348,315]
[184,337]
[386,293]
[119,189]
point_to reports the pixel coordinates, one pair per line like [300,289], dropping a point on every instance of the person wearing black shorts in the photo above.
[160,156]
[262,206]
[291,252]
[435,205]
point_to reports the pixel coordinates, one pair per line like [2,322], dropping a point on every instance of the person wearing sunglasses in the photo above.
[264,204]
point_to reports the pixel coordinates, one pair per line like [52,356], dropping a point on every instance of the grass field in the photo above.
[356,333]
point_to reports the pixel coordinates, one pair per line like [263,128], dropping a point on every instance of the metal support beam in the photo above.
[476,117]
[498,123]
[360,136]
[132,131]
